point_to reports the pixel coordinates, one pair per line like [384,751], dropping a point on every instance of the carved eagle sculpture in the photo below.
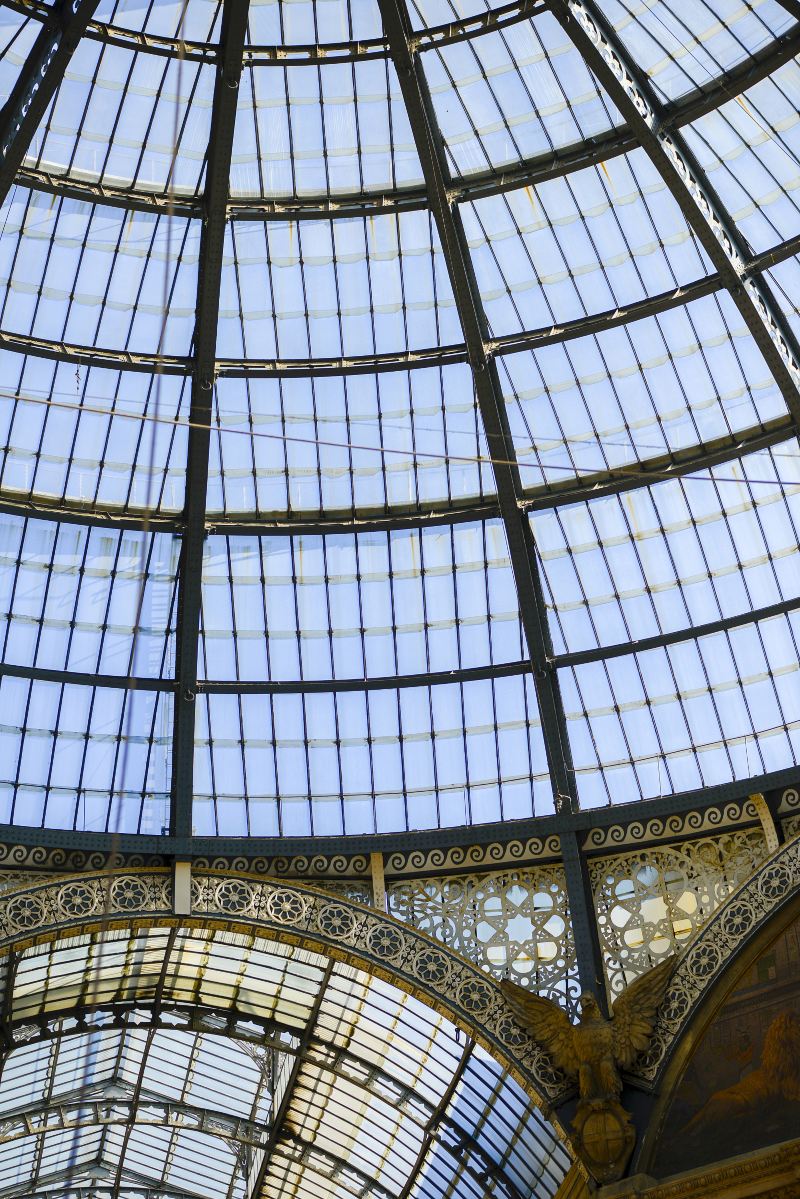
[596,1049]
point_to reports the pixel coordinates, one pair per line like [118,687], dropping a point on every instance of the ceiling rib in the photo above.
[676,636]
[138,1086]
[464,674]
[59,1115]
[278,1126]
[526,173]
[63,843]
[38,81]
[312,54]
[190,1017]
[488,390]
[595,486]
[218,165]
[435,1119]
[634,96]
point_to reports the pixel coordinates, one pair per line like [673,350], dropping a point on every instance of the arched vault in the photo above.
[293,1041]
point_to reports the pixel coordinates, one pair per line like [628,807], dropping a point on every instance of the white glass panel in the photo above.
[692,715]
[382,761]
[584,244]
[93,436]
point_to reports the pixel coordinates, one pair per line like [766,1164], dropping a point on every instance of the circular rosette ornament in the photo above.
[510,1033]
[337,921]
[385,942]
[704,960]
[432,967]
[236,896]
[25,911]
[675,1006]
[286,907]
[737,921]
[129,894]
[76,900]
[476,996]
[775,881]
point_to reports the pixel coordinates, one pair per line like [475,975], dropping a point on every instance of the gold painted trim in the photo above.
[765,1174]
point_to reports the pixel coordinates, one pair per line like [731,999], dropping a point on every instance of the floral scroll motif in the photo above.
[791,827]
[648,903]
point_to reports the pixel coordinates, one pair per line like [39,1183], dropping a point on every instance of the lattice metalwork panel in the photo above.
[650,902]
[513,924]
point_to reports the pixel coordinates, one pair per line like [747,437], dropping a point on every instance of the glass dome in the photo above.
[399,412]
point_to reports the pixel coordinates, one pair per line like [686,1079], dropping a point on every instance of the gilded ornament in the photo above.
[593,1052]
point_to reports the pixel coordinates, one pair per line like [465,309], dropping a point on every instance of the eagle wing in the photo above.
[546,1022]
[634,1012]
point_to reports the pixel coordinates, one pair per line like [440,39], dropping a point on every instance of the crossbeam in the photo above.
[667,149]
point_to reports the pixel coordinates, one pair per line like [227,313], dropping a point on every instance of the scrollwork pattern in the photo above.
[790,801]
[497,853]
[649,903]
[337,866]
[665,828]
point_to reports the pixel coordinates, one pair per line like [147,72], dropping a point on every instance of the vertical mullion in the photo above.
[215,203]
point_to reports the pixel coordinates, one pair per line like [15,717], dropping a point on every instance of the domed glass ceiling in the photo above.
[399,410]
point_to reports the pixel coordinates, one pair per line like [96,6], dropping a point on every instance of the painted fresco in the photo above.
[741,1088]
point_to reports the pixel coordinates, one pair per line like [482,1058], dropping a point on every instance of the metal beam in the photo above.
[576,490]
[690,633]
[487,384]
[117,846]
[218,166]
[332,1166]
[526,173]
[90,1111]
[432,356]
[138,1086]
[89,1180]
[190,1017]
[660,468]
[278,1126]
[101,1190]
[465,674]
[435,1119]
[533,613]
[40,77]
[634,96]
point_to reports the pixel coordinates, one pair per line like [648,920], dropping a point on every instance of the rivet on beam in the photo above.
[378,881]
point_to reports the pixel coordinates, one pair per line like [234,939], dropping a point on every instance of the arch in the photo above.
[306,984]
[718,950]
[293,914]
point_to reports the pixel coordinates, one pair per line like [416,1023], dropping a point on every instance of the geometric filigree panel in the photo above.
[649,902]
[512,923]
